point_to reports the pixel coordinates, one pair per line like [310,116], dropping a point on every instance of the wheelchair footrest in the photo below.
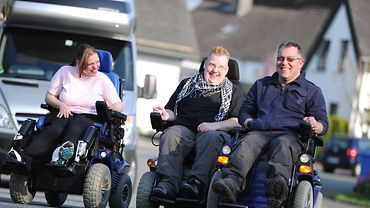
[163,201]
[58,170]
[16,167]
[231,205]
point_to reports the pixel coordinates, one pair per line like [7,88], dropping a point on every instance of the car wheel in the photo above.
[356,170]
[328,169]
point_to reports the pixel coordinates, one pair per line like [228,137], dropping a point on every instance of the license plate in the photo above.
[333,160]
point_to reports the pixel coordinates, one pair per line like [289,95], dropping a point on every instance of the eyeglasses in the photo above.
[219,67]
[289,58]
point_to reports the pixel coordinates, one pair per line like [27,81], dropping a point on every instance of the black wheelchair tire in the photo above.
[122,196]
[55,199]
[146,184]
[19,189]
[303,197]
[212,197]
[97,186]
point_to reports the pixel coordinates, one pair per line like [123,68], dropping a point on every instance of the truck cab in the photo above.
[37,37]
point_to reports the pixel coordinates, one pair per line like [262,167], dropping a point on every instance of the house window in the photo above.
[333,110]
[323,55]
[343,55]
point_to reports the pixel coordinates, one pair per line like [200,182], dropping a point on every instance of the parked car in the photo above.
[344,152]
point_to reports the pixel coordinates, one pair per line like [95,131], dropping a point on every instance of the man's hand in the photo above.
[316,126]
[164,114]
[207,126]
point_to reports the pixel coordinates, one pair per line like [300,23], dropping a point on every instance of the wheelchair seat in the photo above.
[106,66]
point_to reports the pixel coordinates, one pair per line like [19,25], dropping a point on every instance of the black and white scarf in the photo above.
[196,86]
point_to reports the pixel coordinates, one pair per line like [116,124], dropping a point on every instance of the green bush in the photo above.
[337,126]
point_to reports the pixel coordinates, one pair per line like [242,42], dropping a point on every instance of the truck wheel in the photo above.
[19,190]
[55,199]
[303,197]
[213,198]
[97,186]
[122,196]
[146,184]
[318,203]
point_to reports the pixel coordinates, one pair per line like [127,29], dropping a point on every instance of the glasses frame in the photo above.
[289,59]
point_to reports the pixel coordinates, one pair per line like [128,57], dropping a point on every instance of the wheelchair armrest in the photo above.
[157,123]
[47,107]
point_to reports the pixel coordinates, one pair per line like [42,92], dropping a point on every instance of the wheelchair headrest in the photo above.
[232,74]
[106,60]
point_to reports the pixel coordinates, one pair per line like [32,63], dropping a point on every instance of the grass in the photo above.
[352,198]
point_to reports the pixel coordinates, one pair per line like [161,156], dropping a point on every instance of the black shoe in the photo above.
[225,188]
[277,191]
[192,188]
[164,190]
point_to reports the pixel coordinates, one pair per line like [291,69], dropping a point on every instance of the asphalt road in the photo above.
[340,181]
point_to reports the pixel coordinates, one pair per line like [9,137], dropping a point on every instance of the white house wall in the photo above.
[338,87]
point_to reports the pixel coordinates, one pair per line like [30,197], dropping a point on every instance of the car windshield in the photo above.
[340,143]
[30,54]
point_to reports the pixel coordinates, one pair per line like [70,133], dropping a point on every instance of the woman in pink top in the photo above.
[73,91]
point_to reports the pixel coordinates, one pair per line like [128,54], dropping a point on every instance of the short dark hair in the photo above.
[291,44]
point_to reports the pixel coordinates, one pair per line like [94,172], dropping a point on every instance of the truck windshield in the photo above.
[36,54]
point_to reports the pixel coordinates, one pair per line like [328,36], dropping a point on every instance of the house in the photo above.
[340,64]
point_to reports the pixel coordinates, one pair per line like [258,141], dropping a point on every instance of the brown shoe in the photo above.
[225,188]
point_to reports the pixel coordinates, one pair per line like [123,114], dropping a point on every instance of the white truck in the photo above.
[37,37]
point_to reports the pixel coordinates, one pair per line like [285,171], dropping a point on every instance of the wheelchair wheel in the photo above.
[122,196]
[145,187]
[19,189]
[318,203]
[97,186]
[213,198]
[303,197]
[55,199]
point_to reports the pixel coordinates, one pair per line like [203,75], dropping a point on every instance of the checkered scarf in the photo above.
[196,86]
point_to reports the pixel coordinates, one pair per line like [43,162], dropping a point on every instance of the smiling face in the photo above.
[288,64]
[215,69]
[92,65]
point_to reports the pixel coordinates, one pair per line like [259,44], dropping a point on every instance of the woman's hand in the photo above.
[64,111]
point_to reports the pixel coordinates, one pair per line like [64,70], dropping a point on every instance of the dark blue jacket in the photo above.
[274,107]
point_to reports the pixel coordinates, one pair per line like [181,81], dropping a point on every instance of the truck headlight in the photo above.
[5,121]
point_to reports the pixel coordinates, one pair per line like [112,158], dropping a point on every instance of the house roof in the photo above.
[360,15]
[256,34]
[167,26]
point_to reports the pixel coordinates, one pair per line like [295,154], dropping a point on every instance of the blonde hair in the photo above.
[83,52]
[220,51]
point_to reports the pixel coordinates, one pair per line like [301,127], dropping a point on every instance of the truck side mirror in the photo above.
[149,90]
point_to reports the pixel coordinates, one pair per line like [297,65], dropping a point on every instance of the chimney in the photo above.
[241,7]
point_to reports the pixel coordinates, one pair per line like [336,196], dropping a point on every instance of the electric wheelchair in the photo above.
[304,184]
[149,179]
[97,169]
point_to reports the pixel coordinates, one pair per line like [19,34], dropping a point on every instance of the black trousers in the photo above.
[177,142]
[282,148]
[55,131]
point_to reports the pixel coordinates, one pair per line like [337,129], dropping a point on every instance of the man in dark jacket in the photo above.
[272,111]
